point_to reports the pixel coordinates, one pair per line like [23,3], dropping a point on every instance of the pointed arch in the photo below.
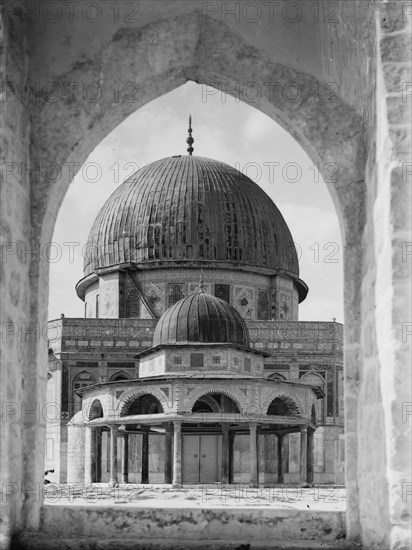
[209,61]
[283,402]
[211,400]
[277,376]
[127,400]
[95,410]
[232,392]
[120,375]
[312,378]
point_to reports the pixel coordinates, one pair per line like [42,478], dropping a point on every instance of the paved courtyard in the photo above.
[329,498]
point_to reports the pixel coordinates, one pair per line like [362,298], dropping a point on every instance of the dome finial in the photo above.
[189,139]
[201,281]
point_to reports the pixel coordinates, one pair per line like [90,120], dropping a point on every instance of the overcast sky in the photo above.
[227,130]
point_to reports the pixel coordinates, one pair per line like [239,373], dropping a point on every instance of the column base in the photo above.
[125,479]
[176,485]
[305,485]
[254,485]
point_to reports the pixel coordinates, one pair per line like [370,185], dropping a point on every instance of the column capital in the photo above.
[177,423]
[303,429]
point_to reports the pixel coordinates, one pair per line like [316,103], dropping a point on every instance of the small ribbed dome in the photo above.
[201,318]
[189,209]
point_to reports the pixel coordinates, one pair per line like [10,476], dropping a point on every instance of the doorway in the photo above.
[202,458]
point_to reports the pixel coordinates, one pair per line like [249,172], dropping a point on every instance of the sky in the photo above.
[224,129]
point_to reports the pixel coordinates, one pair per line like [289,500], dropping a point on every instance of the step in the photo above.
[42,541]
[192,523]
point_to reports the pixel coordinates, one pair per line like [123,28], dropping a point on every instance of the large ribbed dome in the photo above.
[201,318]
[188,209]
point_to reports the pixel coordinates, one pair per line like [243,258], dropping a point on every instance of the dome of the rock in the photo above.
[187,210]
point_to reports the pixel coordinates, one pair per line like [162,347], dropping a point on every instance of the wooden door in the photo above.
[201,458]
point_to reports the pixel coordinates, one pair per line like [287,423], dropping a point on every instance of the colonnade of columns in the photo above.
[173,455]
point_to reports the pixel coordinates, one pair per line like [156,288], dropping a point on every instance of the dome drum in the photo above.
[208,359]
[256,296]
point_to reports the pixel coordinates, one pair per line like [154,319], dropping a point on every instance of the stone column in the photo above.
[168,452]
[88,442]
[253,455]
[177,454]
[310,457]
[113,455]
[76,453]
[98,455]
[225,454]
[232,435]
[258,442]
[303,454]
[280,440]
[125,458]
[145,455]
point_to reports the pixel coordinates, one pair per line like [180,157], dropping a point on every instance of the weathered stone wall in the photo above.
[134,335]
[21,374]
[385,380]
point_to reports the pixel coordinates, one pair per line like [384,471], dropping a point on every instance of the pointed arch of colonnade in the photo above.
[238,398]
[127,400]
[290,403]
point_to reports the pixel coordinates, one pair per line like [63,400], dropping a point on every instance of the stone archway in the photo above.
[209,54]
[374,46]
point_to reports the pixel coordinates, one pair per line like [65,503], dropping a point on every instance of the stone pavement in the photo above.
[287,497]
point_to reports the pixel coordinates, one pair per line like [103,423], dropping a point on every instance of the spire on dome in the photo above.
[201,281]
[189,139]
